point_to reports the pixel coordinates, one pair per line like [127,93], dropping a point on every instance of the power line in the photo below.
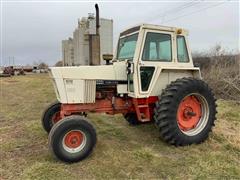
[180,8]
[176,9]
[184,6]
[187,14]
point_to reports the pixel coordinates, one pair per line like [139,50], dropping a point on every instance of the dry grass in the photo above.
[122,151]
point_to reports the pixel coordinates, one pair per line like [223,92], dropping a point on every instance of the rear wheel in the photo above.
[185,112]
[51,115]
[72,139]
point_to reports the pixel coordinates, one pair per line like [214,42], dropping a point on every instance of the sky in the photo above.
[32,31]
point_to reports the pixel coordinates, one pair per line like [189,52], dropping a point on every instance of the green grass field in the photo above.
[122,151]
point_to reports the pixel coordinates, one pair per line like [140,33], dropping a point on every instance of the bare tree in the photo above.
[42,65]
[221,69]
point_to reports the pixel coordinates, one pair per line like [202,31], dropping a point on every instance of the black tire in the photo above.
[166,112]
[48,114]
[59,133]
[131,118]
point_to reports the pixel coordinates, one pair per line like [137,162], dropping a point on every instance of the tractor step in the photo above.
[142,109]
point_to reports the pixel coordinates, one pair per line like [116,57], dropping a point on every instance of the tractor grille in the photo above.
[90,91]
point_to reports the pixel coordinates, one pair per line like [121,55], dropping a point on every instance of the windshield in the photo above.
[126,47]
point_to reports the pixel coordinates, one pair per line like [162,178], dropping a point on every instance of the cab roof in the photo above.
[153,27]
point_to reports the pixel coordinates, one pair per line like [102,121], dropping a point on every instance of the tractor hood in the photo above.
[78,84]
[117,71]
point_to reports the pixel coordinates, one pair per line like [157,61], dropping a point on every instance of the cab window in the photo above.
[126,47]
[182,53]
[146,76]
[158,47]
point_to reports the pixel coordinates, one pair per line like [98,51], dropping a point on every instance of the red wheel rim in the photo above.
[189,113]
[56,117]
[73,139]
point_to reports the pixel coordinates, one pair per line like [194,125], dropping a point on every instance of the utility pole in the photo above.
[11,61]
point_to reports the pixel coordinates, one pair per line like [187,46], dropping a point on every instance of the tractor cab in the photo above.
[150,50]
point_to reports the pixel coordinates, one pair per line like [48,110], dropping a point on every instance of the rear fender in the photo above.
[166,76]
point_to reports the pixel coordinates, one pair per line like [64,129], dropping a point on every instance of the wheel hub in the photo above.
[189,113]
[73,139]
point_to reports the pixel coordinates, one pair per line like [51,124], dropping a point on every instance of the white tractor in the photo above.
[151,78]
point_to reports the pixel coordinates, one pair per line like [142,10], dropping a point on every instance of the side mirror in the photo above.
[107,58]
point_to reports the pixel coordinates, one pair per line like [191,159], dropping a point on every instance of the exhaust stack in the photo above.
[97,19]
[94,42]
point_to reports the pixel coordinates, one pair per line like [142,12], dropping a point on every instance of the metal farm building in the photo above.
[76,50]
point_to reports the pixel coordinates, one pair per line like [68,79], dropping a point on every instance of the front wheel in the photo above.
[185,112]
[51,115]
[72,139]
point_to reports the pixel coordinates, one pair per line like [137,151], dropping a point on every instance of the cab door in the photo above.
[157,50]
